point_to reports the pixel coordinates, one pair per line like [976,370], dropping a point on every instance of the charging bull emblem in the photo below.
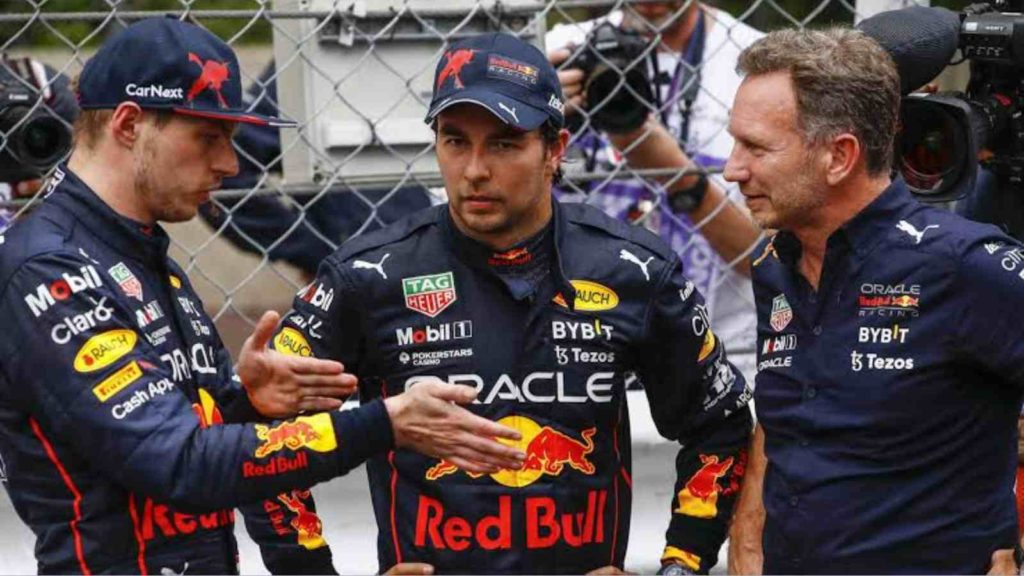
[699,498]
[212,76]
[306,523]
[453,67]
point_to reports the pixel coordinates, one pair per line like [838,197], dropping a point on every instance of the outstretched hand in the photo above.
[281,386]
[426,418]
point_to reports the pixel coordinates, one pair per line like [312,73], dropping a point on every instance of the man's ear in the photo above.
[842,155]
[557,149]
[125,123]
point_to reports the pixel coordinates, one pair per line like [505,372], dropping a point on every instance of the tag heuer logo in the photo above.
[781,313]
[429,294]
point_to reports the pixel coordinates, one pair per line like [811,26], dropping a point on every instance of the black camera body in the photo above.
[618,89]
[33,138]
[943,134]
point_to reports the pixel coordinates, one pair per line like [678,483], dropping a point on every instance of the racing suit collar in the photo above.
[476,255]
[859,234]
[126,236]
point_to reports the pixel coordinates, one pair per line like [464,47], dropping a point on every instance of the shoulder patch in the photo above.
[591,217]
[390,234]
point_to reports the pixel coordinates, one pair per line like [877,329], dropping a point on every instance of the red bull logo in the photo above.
[212,76]
[453,67]
[313,432]
[545,525]
[306,523]
[699,497]
[548,451]
[163,521]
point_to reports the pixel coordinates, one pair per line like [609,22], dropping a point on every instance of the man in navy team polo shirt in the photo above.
[889,334]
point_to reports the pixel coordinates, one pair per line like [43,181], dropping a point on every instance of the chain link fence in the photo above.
[356,75]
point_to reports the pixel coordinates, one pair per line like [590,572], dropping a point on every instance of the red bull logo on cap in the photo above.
[548,451]
[212,76]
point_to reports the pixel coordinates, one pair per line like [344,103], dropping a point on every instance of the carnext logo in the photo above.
[154,91]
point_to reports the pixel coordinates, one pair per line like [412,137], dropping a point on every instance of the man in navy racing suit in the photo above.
[542,308]
[121,419]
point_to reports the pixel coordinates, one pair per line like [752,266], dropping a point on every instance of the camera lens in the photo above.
[931,146]
[43,141]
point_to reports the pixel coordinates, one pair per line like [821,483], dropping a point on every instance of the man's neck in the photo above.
[115,186]
[841,206]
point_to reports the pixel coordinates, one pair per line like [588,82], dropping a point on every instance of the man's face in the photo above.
[178,164]
[781,180]
[649,18]
[498,178]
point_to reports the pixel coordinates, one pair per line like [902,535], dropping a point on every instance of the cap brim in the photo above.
[509,110]
[246,117]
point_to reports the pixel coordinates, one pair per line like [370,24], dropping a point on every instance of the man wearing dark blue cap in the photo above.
[542,308]
[126,433]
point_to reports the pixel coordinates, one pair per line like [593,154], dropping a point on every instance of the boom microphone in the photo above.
[921,40]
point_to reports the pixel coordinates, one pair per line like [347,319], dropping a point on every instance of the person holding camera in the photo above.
[126,434]
[677,61]
[892,353]
[37,109]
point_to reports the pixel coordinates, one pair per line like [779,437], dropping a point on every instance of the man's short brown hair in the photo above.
[843,81]
[89,125]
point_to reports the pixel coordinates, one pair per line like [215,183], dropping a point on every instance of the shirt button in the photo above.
[805,443]
[813,299]
[817,330]
[811,392]
[793,501]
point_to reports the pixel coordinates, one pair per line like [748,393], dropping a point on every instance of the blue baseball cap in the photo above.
[167,64]
[506,75]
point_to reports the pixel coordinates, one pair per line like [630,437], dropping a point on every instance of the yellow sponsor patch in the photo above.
[291,342]
[117,381]
[708,347]
[313,432]
[688,559]
[594,297]
[104,349]
[175,281]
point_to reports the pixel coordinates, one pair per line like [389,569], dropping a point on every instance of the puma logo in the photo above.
[511,111]
[909,228]
[378,266]
[630,257]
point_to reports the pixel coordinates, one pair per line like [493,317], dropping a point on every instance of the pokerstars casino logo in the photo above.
[431,294]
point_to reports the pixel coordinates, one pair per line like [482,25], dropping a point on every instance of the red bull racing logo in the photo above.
[548,451]
[313,432]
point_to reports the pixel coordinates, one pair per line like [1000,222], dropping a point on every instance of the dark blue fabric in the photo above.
[121,417]
[889,396]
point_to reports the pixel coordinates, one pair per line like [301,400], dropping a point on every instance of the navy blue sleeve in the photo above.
[987,292]
[699,399]
[160,447]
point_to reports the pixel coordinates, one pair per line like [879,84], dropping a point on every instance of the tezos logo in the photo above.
[872,361]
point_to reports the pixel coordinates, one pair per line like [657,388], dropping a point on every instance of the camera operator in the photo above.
[673,115]
[37,109]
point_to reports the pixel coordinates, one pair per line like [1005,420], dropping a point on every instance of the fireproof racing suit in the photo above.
[116,403]
[419,299]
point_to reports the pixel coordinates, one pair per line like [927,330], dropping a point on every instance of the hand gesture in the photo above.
[281,386]
[427,419]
